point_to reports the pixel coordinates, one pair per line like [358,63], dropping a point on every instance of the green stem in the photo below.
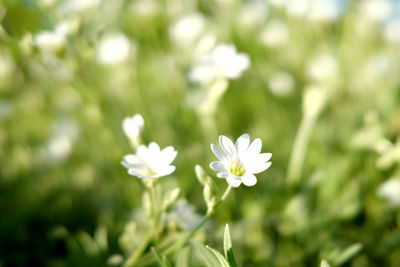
[208,126]
[298,154]
[208,215]
[131,261]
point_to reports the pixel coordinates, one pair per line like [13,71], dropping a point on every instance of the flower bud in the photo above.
[170,199]
[200,174]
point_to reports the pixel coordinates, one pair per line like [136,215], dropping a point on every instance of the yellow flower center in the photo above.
[237,169]
[150,172]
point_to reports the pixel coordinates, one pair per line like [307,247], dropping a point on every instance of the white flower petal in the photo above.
[167,171]
[233,181]
[242,143]
[222,175]
[218,152]
[131,160]
[264,157]
[218,166]
[141,150]
[255,147]
[227,145]
[260,167]
[168,155]
[136,172]
[154,148]
[249,180]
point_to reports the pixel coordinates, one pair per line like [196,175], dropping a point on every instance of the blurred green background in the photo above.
[71,70]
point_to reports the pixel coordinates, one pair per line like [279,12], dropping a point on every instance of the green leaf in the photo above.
[348,254]
[219,256]
[209,258]
[228,247]
[182,257]
[162,259]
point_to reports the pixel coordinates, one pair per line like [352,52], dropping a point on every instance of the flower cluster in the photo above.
[237,162]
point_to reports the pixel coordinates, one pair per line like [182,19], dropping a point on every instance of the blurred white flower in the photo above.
[60,144]
[376,10]
[281,83]
[275,34]
[390,190]
[240,161]
[391,31]
[79,5]
[133,126]
[113,48]
[298,8]
[184,215]
[145,8]
[186,30]
[322,67]
[222,62]
[252,13]
[325,10]
[277,3]
[150,162]
[51,41]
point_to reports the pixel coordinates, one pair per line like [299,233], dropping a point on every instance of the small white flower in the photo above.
[114,48]
[150,162]
[281,83]
[390,190]
[252,13]
[240,161]
[133,126]
[297,8]
[187,29]
[275,34]
[222,62]
[322,67]
[51,41]
[376,10]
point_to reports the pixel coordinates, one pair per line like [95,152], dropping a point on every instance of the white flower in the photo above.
[252,13]
[322,67]
[281,83]
[150,162]
[184,215]
[133,126]
[275,34]
[114,48]
[376,10]
[222,62]
[51,41]
[325,10]
[390,190]
[240,161]
[391,31]
[187,29]
[297,8]
[72,6]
